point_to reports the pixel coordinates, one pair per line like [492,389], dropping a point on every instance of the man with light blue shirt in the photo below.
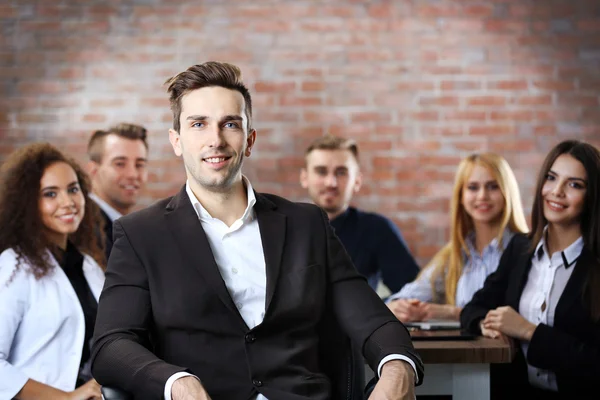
[222,292]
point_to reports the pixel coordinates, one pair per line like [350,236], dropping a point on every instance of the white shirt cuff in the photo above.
[396,357]
[172,380]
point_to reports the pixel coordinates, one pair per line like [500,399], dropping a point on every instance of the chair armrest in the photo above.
[111,393]
[370,386]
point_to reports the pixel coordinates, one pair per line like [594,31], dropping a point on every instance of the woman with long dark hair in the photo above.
[50,277]
[546,290]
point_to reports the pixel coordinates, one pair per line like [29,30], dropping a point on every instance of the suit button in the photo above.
[250,338]
[257,383]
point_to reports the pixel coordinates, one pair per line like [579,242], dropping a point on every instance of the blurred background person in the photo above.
[485,214]
[332,176]
[50,277]
[546,291]
[117,168]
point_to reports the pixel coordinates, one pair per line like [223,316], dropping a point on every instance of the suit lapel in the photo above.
[272,227]
[522,273]
[185,226]
[573,290]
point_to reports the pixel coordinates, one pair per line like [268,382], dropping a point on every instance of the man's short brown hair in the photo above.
[125,130]
[211,73]
[330,142]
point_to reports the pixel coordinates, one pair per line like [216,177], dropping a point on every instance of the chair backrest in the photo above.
[342,362]
[110,393]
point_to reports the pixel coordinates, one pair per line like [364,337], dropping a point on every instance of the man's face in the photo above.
[121,175]
[213,138]
[331,177]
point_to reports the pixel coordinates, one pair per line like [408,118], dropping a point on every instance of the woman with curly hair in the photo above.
[50,276]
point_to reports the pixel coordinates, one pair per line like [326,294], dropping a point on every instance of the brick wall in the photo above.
[420,84]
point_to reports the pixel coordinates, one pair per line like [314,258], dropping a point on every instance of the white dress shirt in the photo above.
[107,208]
[239,255]
[545,284]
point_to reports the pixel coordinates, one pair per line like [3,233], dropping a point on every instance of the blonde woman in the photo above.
[486,213]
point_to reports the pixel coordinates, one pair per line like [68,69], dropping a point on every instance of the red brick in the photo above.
[554,85]
[467,115]
[520,145]
[541,100]
[312,86]
[492,130]
[424,115]
[460,85]
[8,11]
[370,117]
[487,101]
[509,85]
[293,100]
[544,130]
[520,115]
[96,118]
[262,86]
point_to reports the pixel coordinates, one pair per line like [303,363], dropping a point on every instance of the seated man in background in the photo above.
[378,251]
[117,168]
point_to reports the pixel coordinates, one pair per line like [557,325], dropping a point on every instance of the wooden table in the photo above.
[461,368]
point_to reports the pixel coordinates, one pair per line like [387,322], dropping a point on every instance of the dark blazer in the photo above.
[571,348]
[104,231]
[376,247]
[165,308]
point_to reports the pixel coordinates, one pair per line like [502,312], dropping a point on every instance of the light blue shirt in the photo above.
[476,269]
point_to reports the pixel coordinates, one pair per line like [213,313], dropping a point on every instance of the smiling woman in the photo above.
[486,215]
[546,291]
[49,285]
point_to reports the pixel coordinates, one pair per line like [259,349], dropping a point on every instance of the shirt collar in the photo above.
[110,211]
[569,255]
[205,216]
[507,234]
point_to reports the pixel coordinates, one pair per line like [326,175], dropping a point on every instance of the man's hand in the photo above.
[407,310]
[506,320]
[397,382]
[188,388]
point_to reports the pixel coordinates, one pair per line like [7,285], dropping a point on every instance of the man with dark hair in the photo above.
[222,292]
[117,169]
[332,176]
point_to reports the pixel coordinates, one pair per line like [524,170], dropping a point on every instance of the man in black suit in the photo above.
[117,168]
[221,292]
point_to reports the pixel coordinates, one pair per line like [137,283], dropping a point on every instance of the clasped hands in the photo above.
[505,320]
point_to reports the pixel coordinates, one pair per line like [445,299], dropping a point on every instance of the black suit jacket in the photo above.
[165,308]
[571,348]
